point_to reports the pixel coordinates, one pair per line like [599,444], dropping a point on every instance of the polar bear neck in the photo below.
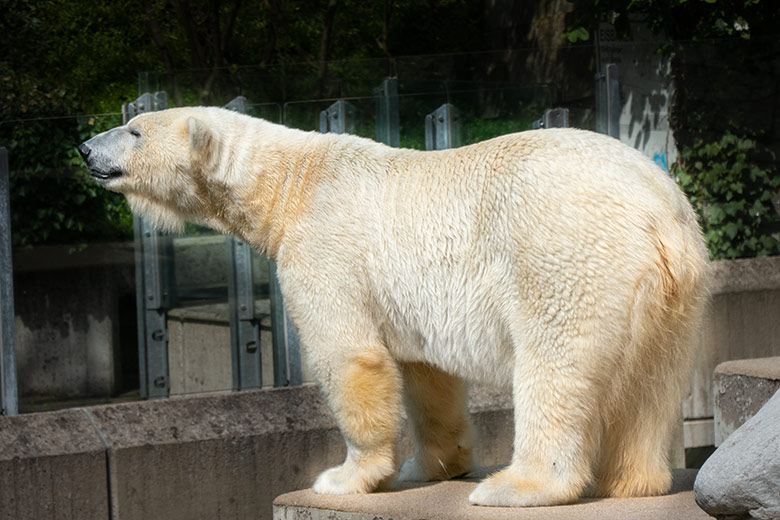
[262,185]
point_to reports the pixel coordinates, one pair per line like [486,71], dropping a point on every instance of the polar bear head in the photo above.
[162,162]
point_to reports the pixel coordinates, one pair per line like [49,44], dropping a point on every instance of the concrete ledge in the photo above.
[741,388]
[219,455]
[52,465]
[449,501]
[745,274]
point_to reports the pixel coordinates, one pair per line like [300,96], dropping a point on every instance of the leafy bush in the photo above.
[53,200]
[733,194]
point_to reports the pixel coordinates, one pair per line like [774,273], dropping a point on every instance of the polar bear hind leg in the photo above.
[555,403]
[441,428]
[667,313]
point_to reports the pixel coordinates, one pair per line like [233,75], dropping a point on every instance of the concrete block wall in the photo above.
[741,388]
[741,323]
[209,456]
[52,465]
[75,309]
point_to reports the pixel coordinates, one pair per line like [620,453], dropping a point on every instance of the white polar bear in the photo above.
[560,262]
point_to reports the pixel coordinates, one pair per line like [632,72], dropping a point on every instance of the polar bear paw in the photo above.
[340,481]
[507,489]
[350,478]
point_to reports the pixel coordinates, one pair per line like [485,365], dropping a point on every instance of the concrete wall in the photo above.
[75,309]
[208,456]
[741,324]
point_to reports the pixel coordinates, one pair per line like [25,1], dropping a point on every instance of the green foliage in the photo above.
[733,195]
[53,200]
[677,19]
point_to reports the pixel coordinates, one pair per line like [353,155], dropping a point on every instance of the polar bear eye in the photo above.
[134,131]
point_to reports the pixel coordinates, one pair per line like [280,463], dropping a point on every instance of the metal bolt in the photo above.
[147,234]
[157,335]
[251,347]
[243,307]
[159,382]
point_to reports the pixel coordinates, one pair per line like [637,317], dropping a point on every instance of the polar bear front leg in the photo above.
[364,393]
[441,430]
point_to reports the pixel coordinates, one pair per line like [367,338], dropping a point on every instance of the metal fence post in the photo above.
[245,349]
[244,325]
[608,101]
[155,287]
[9,399]
[442,128]
[553,118]
[338,118]
[387,115]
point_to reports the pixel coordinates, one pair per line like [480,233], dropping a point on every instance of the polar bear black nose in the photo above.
[84,150]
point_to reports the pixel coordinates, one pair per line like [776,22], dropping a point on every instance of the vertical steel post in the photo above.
[338,118]
[387,113]
[244,325]
[442,128]
[608,101]
[553,118]
[155,287]
[9,399]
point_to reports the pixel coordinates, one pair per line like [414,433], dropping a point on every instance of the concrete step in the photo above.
[740,389]
[449,501]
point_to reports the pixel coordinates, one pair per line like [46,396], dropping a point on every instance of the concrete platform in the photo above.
[449,501]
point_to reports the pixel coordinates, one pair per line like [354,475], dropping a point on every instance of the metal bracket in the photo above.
[238,104]
[339,118]
[553,118]
[442,128]
[244,326]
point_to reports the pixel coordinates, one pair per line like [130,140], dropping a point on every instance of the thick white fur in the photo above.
[559,262]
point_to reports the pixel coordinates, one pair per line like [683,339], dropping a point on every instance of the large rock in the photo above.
[742,478]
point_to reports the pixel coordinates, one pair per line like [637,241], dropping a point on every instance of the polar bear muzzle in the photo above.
[100,153]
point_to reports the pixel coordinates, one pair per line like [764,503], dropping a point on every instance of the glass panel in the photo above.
[74,275]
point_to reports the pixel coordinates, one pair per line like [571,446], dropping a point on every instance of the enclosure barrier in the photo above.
[8,389]
[245,322]
[155,287]
[608,101]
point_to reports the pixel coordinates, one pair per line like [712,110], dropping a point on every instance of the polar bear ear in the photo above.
[200,135]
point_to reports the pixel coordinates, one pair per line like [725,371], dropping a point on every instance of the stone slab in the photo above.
[52,465]
[449,501]
[740,389]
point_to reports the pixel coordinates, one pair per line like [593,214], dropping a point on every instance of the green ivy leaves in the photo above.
[732,191]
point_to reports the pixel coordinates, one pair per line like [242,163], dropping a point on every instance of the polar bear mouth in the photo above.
[105,175]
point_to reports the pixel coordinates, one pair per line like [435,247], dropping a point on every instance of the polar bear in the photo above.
[560,263]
